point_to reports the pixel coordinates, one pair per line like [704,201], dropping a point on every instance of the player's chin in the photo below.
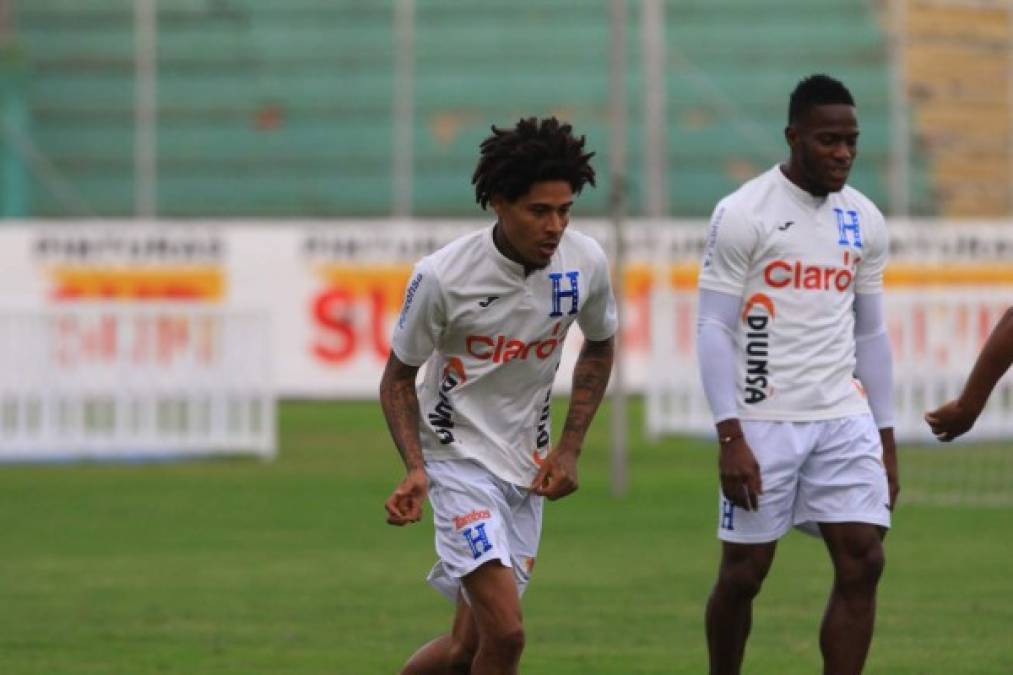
[538,260]
[834,181]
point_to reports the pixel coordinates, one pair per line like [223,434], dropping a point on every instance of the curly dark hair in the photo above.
[816,90]
[535,150]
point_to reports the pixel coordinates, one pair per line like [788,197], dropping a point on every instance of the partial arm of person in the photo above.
[731,243]
[739,472]
[416,334]
[959,415]
[400,404]
[557,477]
[874,369]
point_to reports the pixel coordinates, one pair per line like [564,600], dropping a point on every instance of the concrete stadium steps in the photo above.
[958,70]
[311,142]
[269,192]
[292,95]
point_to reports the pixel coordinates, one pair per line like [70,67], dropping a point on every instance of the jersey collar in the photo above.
[798,194]
[498,258]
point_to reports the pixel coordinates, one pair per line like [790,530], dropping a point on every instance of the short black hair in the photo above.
[817,90]
[512,160]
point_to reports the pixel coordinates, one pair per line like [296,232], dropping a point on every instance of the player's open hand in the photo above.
[557,477]
[740,474]
[951,420]
[405,504]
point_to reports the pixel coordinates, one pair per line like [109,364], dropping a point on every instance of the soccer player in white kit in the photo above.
[488,313]
[796,366]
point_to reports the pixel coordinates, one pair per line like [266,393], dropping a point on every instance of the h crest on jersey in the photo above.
[846,226]
[558,293]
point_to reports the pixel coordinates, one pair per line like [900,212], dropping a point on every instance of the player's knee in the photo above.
[873,563]
[743,580]
[744,587]
[862,570]
[508,642]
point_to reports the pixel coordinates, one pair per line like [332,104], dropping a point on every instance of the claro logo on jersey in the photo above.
[799,275]
[501,349]
[757,314]
[442,417]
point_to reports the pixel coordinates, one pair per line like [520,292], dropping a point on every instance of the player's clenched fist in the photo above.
[405,504]
[951,420]
[557,476]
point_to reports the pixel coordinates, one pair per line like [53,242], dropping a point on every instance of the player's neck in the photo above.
[790,171]
[503,246]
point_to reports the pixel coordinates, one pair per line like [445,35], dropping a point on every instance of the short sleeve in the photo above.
[597,317]
[869,276]
[421,322]
[731,241]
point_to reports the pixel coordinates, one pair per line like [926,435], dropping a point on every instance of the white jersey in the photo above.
[796,261]
[497,336]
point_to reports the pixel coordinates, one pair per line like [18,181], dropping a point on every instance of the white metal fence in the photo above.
[134,381]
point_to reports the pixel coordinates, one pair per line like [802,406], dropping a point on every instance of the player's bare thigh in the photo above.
[495,603]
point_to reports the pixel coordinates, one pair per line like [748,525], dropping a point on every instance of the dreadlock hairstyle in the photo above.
[511,160]
[816,90]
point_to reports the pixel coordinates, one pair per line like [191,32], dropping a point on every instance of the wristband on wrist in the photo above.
[724,440]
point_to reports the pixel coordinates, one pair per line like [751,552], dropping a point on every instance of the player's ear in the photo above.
[497,202]
[790,135]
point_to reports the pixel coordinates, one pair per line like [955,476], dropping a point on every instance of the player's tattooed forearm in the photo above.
[401,407]
[590,378]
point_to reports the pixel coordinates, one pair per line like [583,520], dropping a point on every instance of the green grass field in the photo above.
[288,568]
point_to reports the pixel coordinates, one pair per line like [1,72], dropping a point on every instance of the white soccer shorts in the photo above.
[478,518]
[828,471]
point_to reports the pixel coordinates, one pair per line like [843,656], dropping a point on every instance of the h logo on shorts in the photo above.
[558,293]
[727,514]
[843,228]
[479,542]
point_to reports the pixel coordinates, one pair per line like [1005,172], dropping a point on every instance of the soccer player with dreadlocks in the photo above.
[489,313]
